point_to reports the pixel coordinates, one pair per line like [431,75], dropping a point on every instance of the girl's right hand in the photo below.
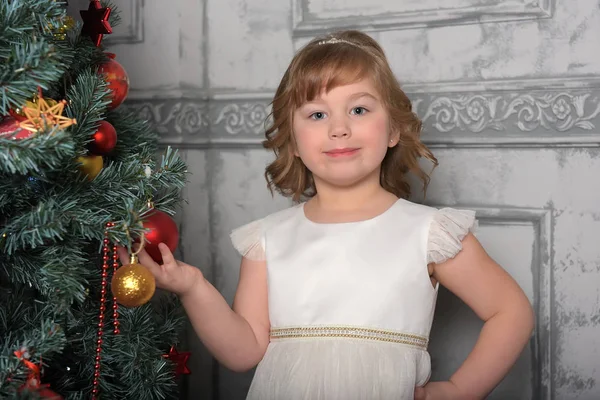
[174,276]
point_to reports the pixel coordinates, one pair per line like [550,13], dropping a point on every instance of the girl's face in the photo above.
[342,136]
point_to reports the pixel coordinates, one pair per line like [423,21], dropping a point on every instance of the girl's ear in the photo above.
[394,139]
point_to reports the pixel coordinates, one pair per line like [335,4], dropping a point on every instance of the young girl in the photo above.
[336,295]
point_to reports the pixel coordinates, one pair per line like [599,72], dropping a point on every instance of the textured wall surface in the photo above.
[509,92]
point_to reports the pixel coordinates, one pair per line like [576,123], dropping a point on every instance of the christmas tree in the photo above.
[79,175]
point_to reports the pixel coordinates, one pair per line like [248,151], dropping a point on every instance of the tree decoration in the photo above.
[41,114]
[117,79]
[162,229]
[33,383]
[133,284]
[103,292]
[66,25]
[90,165]
[104,139]
[9,127]
[95,22]
[180,359]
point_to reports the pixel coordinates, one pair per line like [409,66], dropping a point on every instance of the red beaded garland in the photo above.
[103,290]
[115,305]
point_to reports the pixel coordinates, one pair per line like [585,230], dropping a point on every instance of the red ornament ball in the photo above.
[9,128]
[104,140]
[117,79]
[162,229]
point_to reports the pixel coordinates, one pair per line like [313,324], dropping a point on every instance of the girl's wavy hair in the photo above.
[323,64]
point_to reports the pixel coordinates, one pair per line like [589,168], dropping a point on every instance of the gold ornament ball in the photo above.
[60,33]
[91,166]
[31,103]
[68,23]
[133,285]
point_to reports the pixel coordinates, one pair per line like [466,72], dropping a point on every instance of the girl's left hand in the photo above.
[438,391]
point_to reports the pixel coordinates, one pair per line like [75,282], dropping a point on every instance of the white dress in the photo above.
[350,304]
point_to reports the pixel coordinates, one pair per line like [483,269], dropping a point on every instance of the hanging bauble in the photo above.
[133,285]
[104,140]
[90,165]
[18,113]
[67,24]
[117,79]
[10,128]
[162,229]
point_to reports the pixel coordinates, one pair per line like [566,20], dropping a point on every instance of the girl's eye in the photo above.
[318,115]
[359,110]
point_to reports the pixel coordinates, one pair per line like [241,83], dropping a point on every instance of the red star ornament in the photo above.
[95,22]
[180,359]
[46,393]
[33,383]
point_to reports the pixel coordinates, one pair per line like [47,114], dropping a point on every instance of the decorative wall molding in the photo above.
[175,117]
[307,24]
[541,343]
[241,117]
[551,118]
[556,111]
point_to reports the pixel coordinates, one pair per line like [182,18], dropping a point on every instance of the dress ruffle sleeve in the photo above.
[248,240]
[448,228]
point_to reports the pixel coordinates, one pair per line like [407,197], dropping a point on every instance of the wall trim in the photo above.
[422,88]
[564,117]
[305,24]
[256,143]
[502,85]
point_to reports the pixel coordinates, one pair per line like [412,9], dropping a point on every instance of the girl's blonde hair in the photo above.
[323,64]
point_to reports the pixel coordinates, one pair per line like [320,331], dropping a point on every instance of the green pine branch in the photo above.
[57,272]
[137,367]
[115,15]
[84,208]
[49,222]
[28,58]
[19,18]
[29,326]
[88,98]
[33,155]
[135,136]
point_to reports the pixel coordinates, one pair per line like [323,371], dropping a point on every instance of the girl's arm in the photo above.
[499,301]
[237,337]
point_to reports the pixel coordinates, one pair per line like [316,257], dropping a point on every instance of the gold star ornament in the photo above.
[41,114]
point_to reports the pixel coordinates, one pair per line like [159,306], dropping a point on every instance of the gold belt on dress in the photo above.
[382,335]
